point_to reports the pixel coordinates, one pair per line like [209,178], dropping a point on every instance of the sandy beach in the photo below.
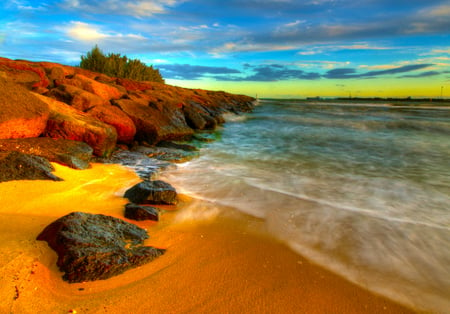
[222,265]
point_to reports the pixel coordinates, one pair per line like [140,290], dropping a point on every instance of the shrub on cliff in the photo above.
[115,65]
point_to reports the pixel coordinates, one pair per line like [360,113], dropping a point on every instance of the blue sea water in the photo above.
[362,189]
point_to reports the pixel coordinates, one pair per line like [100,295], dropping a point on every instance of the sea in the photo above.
[360,188]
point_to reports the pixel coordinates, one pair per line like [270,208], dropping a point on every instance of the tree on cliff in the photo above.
[115,65]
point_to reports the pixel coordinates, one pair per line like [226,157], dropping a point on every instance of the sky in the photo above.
[269,48]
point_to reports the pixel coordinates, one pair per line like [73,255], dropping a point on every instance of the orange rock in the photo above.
[67,70]
[154,125]
[125,128]
[131,85]
[98,108]
[105,91]
[21,113]
[68,123]
[25,73]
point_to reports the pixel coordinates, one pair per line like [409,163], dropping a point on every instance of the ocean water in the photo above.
[361,189]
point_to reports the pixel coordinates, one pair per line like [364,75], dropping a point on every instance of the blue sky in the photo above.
[274,48]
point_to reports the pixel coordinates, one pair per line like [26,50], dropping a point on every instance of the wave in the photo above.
[382,253]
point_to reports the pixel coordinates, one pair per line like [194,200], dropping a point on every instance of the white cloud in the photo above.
[92,33]
[441,51]
[139,8]
[438,11]
[85,32]
[249,47]
[378,67]
[328,65]
[320,49]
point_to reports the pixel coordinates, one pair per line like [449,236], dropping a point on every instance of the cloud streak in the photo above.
[193,72]
[139,8]
[280,72]
[350,73]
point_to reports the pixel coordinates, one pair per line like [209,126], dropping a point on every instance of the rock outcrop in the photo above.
[155,123]
[103,111]
[92,247]
[66,122]
[21,113]
[19,166]
[65,152]
[105,91]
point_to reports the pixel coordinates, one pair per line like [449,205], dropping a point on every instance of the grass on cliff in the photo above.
[115,65]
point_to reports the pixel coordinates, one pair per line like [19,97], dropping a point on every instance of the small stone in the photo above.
[139,212]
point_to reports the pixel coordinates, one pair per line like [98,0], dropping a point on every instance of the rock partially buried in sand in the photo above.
[92,247]
[20,166]
[140,212]
[152,192]
[66,152]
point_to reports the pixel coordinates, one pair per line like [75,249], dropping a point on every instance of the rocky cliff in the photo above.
[43,99]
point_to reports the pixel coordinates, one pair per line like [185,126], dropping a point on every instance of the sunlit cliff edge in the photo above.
[50,100]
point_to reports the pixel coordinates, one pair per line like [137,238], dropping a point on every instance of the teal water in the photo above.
[362,189]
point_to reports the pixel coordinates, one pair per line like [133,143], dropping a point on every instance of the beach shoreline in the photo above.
[226,263]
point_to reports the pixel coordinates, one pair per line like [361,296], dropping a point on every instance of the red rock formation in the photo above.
[105,91]
[21,114]
[97,107]
[24,72]
[66,122]
[154,124]
[133,86]
[105,109]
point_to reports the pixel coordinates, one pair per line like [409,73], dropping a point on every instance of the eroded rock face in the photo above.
[92,247]
[66,122]
[97,107]
[152,192]
[19,166]
[21,113]
[155,123]
[28,74]
[105,91]
[65,152]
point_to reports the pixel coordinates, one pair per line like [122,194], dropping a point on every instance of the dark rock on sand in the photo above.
[92,247]
[66,152]
[152,192]
[140,212]
[19,166]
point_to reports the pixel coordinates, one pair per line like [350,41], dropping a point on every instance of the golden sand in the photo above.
[222,265]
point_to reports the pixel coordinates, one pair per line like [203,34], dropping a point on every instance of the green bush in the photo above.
[116,65]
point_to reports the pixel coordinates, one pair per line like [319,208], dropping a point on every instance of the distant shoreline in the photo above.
[429,102]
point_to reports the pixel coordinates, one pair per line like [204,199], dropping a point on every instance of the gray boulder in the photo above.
[92,247]
[19,166]
[152,192]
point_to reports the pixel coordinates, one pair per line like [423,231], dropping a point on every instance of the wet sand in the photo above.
[221,265]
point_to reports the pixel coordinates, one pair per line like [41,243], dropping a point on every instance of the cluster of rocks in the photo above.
[55,113]
[98,113]
[92,247]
